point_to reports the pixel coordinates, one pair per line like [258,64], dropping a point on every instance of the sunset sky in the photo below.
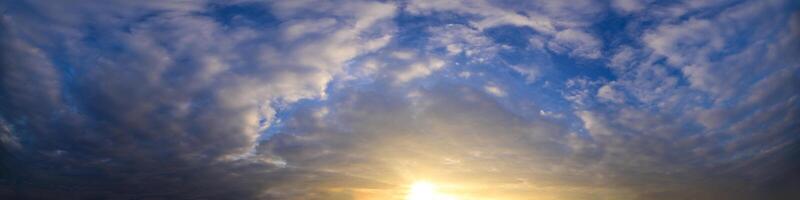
[400,99]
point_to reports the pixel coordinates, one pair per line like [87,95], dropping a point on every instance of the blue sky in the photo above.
[241,99]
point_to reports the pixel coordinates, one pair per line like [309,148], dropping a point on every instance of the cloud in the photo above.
[393,139]
[530,73]
[572,39]
[494,90]
[419,69]
[492,14]
[693,45]
[576,43]
[164,88]
[608,93]
[458,39]
[359,99]
[626,6]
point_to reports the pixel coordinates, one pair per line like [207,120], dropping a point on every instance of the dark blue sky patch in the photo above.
[248,14]
[613,31]
[413,29]
[569,67]
[511,35]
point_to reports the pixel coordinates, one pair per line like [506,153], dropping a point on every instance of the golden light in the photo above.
[423,190]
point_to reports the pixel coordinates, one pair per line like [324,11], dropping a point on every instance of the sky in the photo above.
[400,99]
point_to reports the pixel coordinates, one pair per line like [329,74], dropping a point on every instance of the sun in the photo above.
[423,190]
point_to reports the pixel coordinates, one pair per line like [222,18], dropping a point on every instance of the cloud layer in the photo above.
[359,99]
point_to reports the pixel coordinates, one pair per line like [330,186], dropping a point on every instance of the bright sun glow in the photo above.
[423,190]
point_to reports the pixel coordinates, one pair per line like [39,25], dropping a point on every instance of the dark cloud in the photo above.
[124,100]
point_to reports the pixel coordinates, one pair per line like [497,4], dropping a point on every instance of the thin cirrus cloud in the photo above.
[363,99]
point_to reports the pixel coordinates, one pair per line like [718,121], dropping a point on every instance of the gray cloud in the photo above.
[151,96]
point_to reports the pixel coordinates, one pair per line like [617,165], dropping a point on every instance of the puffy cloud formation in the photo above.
[358,99]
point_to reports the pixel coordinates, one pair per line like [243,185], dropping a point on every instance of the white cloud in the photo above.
[627,6]
[493,16]
[579,90]
[551,114]
[576,43]
[494,90]
[538,41]
[403,55]
[685,42]
[419,70]
[457,39]
[300,28]
[593,124]
[465,74]
[531,73]
[704,50]
[623,59]
[608,93]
